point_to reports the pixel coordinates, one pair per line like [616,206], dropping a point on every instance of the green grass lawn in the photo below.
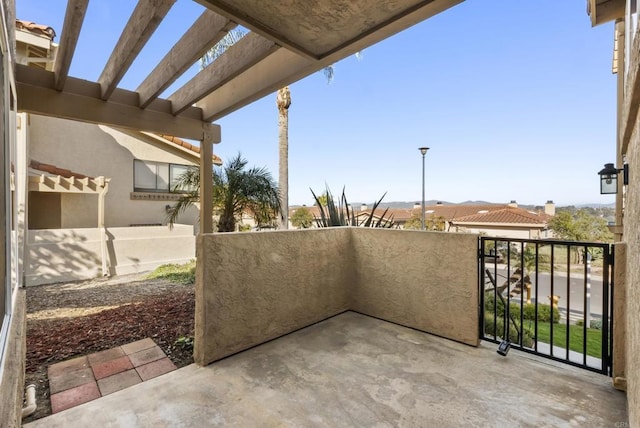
[594,337]
[182,274]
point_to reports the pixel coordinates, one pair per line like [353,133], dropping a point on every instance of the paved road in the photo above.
[576,290]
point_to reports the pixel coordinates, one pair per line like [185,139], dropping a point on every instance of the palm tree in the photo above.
[283,101]
[235,190]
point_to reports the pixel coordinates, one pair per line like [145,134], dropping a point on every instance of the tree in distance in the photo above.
[302,218]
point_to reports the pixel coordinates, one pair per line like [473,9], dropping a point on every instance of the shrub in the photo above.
[596,324]
[544,313]
[527,334]
[528,310]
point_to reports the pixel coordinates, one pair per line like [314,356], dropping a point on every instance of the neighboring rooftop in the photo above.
[484,213]
[54,170]
[505,215]
[37,29]
[182,143]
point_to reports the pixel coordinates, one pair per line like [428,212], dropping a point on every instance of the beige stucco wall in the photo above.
[632,238]
[251,288]
[56,255]
[427,281]
[97,150]
[13,367]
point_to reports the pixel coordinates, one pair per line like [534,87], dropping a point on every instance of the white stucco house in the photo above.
[94,198]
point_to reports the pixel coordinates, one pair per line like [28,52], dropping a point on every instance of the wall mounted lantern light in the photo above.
[609,178]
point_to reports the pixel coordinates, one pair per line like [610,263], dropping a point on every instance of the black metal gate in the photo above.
[550,298]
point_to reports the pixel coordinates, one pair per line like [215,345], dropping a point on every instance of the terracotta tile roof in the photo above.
[54,170]
[32,27]
[506,215]
[180,142]
[451,212]
[488,213]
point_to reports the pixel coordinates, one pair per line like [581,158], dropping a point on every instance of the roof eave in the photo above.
[603,11]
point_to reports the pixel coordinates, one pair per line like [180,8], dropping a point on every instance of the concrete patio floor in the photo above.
[353,370]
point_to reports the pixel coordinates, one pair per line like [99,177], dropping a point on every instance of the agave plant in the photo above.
[340,215]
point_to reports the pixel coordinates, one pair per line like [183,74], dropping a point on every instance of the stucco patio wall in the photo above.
[57,255]
[423,280]
[254,287]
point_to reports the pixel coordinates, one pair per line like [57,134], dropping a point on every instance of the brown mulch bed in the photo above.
[70,320]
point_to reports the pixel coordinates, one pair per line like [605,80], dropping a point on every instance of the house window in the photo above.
[156,176]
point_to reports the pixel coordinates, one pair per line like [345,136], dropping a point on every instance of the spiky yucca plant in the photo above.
[332,215]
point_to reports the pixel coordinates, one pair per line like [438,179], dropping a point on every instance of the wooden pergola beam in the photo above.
[81,101]
[208,30]
[141,25]
[247,52]
[73,19]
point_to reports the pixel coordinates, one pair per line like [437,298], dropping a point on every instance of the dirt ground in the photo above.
[73,319]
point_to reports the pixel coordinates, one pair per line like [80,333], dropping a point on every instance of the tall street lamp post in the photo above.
[423,150]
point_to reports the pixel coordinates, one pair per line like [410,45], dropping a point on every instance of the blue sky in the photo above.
[516,100]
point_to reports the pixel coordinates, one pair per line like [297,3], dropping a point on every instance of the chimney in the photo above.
[363,207]
[417,205]
[550,208]
[512,204]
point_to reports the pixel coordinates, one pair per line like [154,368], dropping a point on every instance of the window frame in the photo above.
[170,176]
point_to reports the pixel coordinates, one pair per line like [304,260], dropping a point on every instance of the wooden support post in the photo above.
[103,232]
[210,136]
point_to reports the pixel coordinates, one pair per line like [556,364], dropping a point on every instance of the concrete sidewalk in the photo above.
[353,370]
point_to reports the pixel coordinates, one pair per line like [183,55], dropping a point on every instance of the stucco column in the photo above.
[103,232]
[619,317]
[210,136]
[620,64]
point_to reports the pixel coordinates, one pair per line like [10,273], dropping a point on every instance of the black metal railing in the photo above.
[547,297]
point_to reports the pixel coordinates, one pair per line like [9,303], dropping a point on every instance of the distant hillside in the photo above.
[409,205]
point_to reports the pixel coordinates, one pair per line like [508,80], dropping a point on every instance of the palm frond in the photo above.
[235,190]
[328,73]
[230,39]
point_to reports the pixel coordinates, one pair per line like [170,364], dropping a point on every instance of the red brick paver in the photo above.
[118,381]
[147,356]
[68,366]
[140,345]
[74,396]
[155,369]
[83,379]
[108,355]
[69,379]
[109,368]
